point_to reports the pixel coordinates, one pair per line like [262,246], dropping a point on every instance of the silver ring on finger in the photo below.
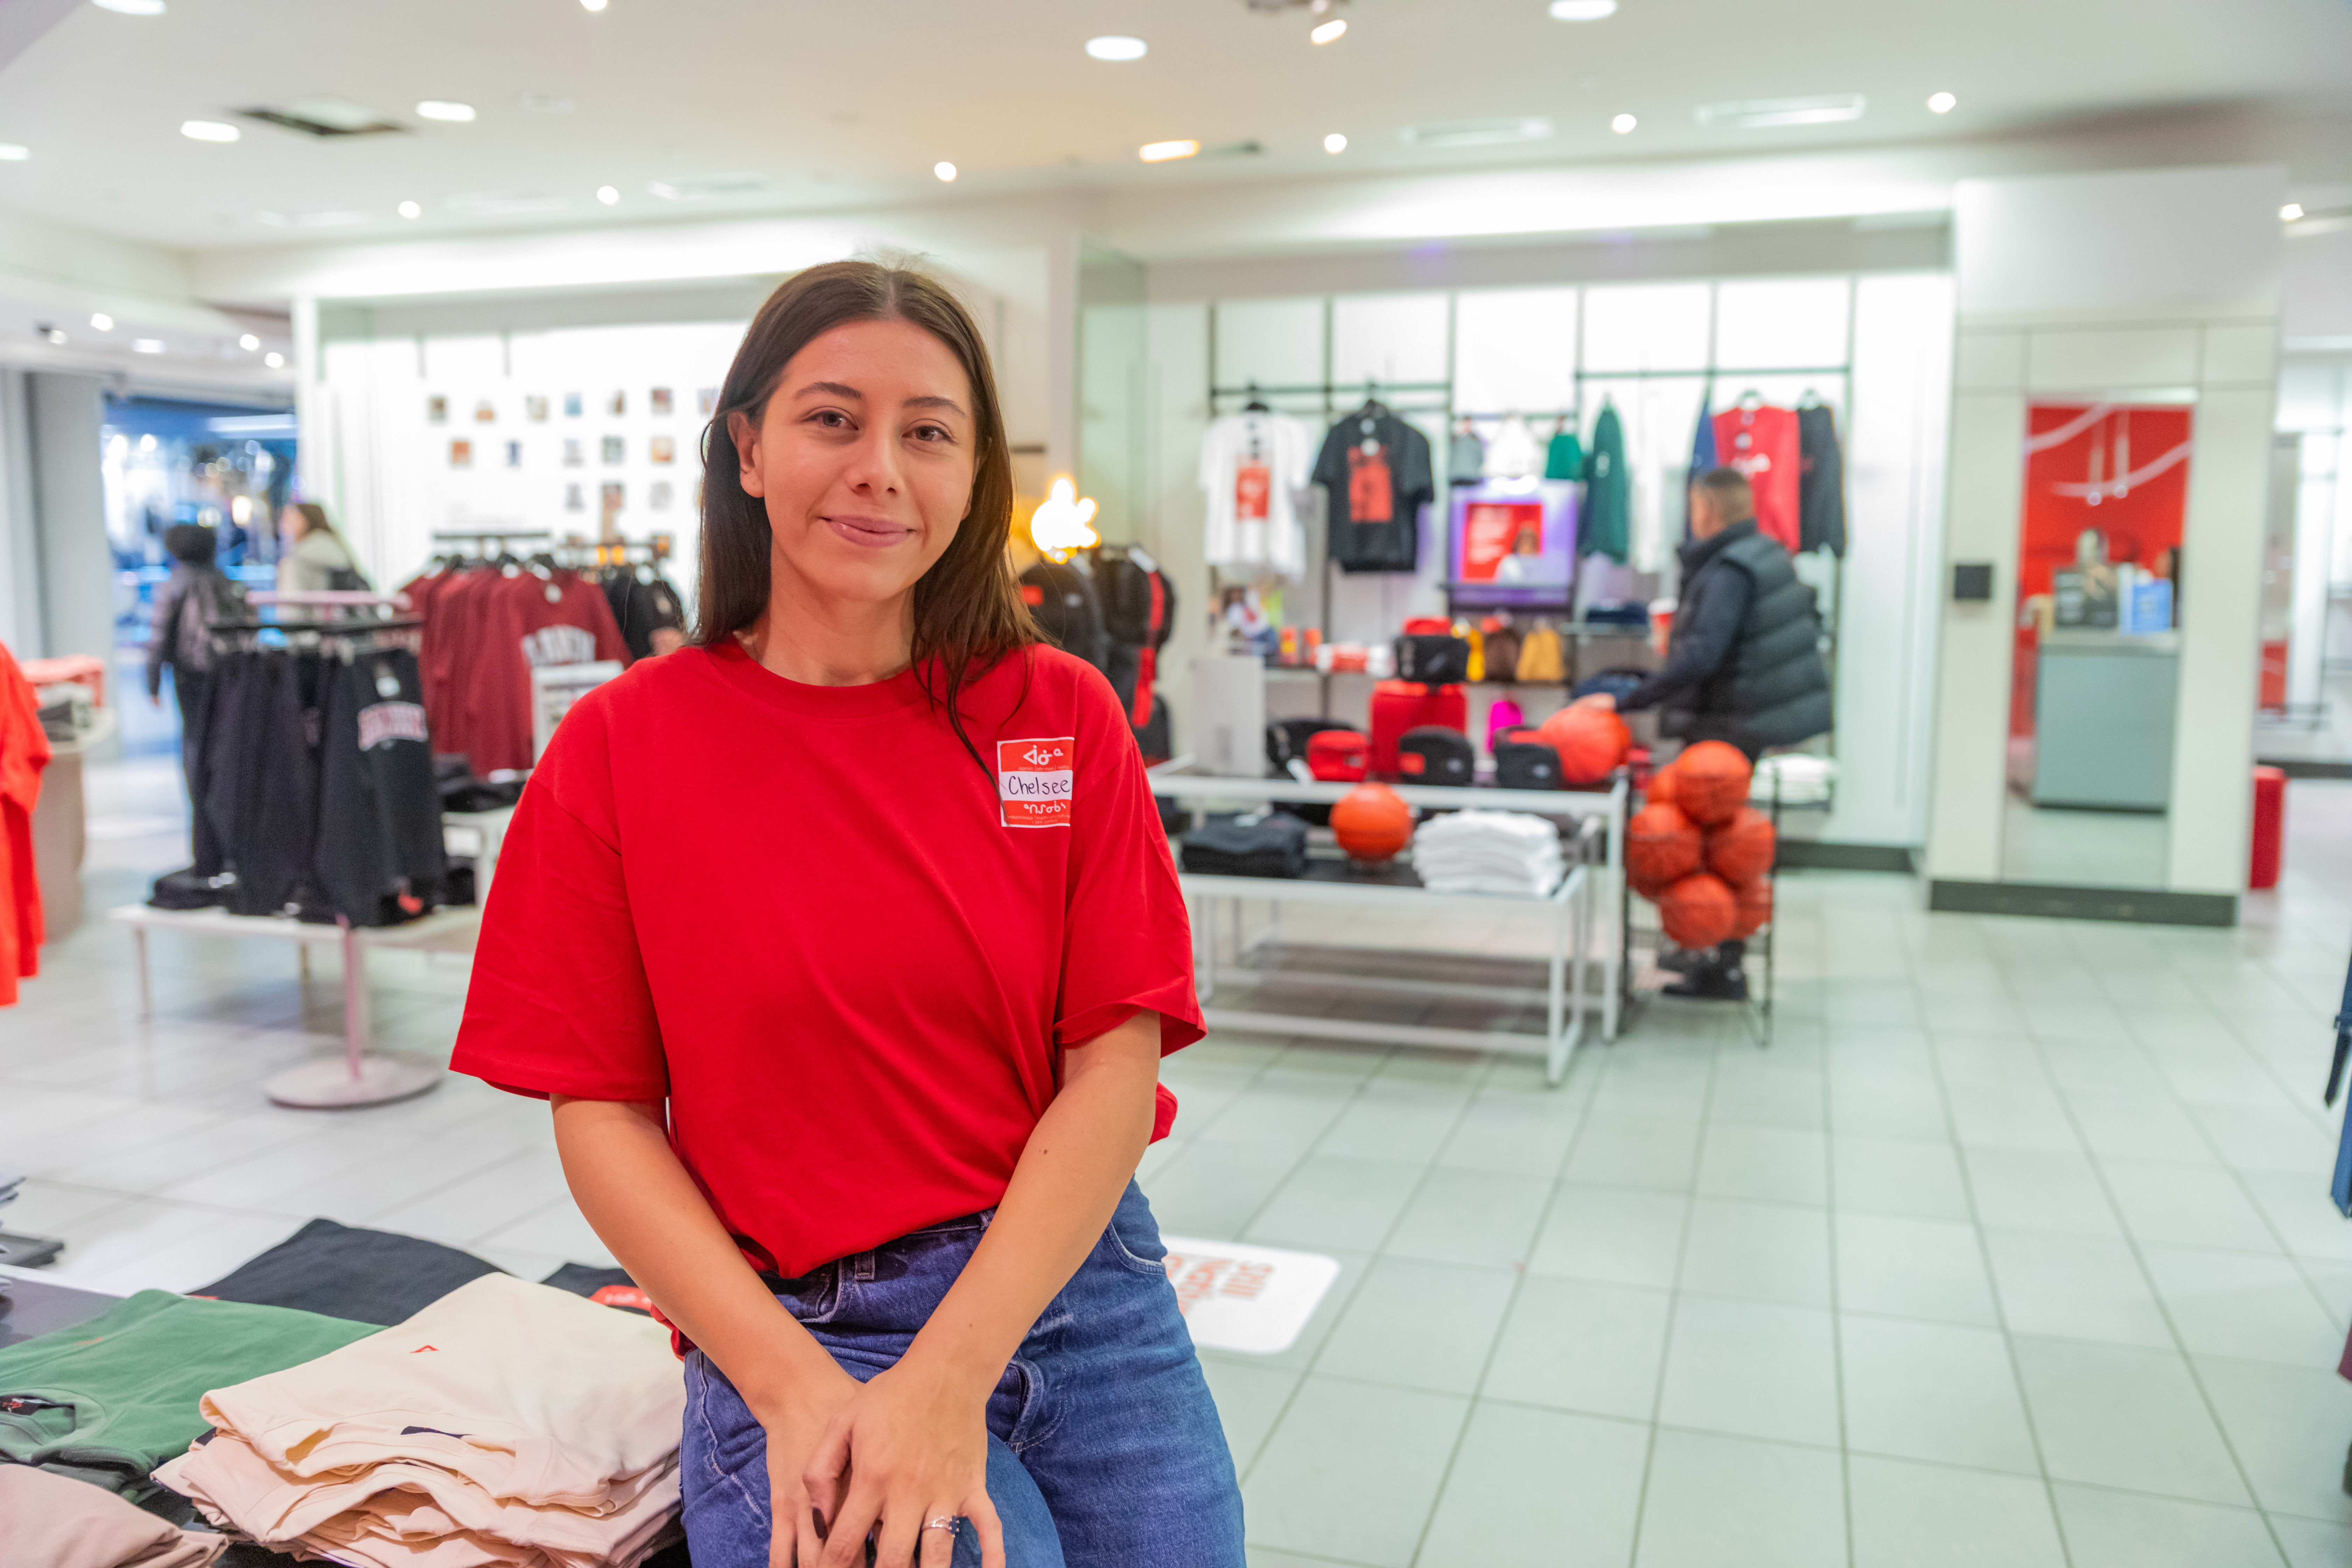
[945,1521]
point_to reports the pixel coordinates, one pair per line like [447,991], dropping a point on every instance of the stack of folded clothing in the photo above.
[51,1521]
[108,1400]
[1489,852]
[1263,844]
[506,1423]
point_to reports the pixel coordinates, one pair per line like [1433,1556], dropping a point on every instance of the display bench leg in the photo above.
[1556,1043]
[146,978]
[302,961]
[359,1078]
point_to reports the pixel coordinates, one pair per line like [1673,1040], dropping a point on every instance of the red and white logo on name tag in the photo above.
[1034,779]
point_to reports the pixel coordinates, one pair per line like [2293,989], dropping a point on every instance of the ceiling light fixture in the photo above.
[11,153]
[442,109]
[1161,152]
[411,209]
[249,343]
[1477,133]
[1624,124]
[945,171]
[274,360]
[1941,103]
[609,194]
[592,5]
[132,8]
[1116,47]
[544,103]
[1582,10]
[207,131]
[1765,114]
[103,321]
[1335,143]
[2291,212]
[54,336]
[1329,32]
[146,345]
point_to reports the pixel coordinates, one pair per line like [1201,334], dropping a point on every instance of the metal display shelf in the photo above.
[1600,815]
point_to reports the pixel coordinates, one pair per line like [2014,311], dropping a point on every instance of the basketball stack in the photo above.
[1700,852]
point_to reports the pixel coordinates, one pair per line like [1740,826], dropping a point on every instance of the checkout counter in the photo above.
[2103,719]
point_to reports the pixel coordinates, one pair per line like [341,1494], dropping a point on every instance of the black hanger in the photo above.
[1256,404]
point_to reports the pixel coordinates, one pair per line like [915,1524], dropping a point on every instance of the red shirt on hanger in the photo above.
[1762,443]
[845,955]
[525,621]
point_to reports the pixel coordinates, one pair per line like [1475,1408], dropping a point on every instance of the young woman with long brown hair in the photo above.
[846,943]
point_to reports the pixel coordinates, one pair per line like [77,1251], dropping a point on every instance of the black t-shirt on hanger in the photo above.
[1375,470]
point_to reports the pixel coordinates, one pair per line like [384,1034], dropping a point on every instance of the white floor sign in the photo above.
[1249,1298]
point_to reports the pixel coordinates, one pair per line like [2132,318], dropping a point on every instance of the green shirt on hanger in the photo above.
[1605,526]
[1564,459]
[108,1400]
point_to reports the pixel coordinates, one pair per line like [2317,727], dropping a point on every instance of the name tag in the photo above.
[1034,779]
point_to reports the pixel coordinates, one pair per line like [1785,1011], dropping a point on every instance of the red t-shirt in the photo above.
[519,623]
[1762,444]
[845,955]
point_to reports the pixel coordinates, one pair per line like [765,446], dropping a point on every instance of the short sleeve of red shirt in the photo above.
[845,955]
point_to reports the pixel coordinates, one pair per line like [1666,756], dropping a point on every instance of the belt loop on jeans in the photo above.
[862,1269]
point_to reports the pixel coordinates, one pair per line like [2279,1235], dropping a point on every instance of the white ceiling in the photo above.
[844,105]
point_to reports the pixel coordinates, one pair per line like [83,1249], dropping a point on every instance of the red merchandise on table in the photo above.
[1401,705]
[23,753]
[1763,444]
[484,632]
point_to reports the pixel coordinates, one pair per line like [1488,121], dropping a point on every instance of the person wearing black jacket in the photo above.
[1743,659]
[196,594]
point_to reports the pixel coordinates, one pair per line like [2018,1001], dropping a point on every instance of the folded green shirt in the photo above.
[110,1399]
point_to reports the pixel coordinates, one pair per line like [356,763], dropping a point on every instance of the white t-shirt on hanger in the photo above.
[1252,467]
[1514,453]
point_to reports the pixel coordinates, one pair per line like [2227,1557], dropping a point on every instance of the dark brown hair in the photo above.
[1734,495]
[968,608]
[314,519]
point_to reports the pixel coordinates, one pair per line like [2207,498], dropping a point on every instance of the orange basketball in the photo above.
[1699,911]
[1660,791]
[1711,781]
[1590,741]
[1740,849]
[1662,847]
[1755,904]
[1372,823]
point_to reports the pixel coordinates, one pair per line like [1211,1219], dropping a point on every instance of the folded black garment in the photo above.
[607,1286]
[1271,846]
[342,1271]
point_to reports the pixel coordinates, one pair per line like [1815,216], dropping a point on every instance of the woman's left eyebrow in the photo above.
[948,403]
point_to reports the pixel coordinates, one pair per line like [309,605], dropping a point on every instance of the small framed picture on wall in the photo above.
[615,495]
[572,459]
[485,412]
[572,499]
[660,403]
[461,454]
[658,496]
[534,407]
[665,449]
[617,449]
[706,402]
[514,454]
[618,405]
[436,410]
[571,406]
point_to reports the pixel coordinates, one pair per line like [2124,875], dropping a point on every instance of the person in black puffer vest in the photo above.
[1743,660]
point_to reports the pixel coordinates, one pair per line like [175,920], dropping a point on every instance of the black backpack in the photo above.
[1524,761]
[1138,603]
[1433,754]
[1432,659]
[1062,598]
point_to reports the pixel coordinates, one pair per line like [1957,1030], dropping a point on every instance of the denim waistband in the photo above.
[861,1265]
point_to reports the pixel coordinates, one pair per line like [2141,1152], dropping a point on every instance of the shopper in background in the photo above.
[1743,659]
[187,603]
[312,557]
[845,943]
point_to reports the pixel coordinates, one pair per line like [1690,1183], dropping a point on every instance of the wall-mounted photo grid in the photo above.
[584,432]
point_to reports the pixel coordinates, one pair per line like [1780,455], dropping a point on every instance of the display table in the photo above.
[1600,815]
[362,1078]
[1568,907]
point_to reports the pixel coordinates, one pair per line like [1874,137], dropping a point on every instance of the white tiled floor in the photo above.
[2014,1249]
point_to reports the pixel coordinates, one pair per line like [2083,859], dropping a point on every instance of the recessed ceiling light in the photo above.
[54,336]
[411,209]
[249,343]
[944,169]
[1329,32]
[1335,143]
[592,5]
[609,194]
[312,217]
[1941,103]
[10,153]
[146,345]
[1764,113]
[2291,212]
[207,131]
[1116,47]
[711,187]
[1161,152]
[103,321]
[1624,124]
[274,360]
[1582,10]
[132,8]
[544,103]
[442,109]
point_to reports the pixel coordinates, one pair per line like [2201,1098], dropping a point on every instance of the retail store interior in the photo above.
[1634,1128]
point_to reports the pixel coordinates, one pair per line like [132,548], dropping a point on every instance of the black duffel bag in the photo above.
[1524,759]
[1433,658]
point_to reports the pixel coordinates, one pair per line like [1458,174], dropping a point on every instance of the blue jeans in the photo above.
[1104,1448]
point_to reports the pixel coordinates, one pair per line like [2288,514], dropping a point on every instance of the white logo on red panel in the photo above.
[559,644]
[385,721]
[1034,780]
